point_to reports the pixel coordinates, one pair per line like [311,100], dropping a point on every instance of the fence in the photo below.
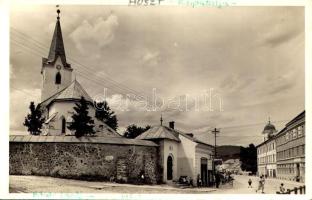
[296,190]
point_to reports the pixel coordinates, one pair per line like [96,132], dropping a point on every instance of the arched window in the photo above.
[63,125]
[58,78]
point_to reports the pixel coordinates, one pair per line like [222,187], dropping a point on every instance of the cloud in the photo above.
[18,108]
[87,36]
[195,50]
[150,56]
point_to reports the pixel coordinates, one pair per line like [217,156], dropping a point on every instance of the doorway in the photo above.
[204,171]
[169,168]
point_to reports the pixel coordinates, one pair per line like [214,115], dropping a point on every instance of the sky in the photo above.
[231,68]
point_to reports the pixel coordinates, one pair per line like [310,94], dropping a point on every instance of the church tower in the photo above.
[56,72]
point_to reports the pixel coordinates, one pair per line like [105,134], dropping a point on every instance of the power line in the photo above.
[85,76]
[113,82]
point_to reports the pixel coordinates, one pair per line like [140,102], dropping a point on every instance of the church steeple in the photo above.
[57,44]
[56,72]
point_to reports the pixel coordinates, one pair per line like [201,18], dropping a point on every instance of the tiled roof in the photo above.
[73,139]
[57,46]
[159,132]
[194,139]
[73,91]
[164,132]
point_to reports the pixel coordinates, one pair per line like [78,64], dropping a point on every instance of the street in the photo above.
[32,184]
[240,186]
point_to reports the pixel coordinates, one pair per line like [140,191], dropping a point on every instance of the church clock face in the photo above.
[58,67]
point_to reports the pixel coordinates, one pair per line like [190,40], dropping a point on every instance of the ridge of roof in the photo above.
[159,132]
[73,91]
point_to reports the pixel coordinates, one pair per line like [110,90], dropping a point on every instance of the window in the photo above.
[294,133]
[273,145]
[287,136]
[299,131]
[58,78]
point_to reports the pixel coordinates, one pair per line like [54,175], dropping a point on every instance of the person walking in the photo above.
[259,184]
[249,183]
[263,182]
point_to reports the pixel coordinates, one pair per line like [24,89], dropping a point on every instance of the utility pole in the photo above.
[215,131]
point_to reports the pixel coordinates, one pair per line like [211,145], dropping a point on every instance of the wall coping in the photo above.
[73,139]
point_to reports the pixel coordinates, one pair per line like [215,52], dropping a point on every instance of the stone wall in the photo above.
[84,161]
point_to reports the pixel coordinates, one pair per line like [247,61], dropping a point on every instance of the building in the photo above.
[60,92]
[290,147]
[266,152]
[181,154]
[161,154]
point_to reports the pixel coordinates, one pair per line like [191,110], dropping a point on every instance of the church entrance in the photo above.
[63,125]
[169,168]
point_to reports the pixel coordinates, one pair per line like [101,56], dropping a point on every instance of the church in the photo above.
[60,92]
[163,153]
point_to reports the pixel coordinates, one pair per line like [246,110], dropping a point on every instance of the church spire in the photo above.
[57,44]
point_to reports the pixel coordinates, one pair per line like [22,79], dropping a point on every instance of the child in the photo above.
[282,189]
[249,183]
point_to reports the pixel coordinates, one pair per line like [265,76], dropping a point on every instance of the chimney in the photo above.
[171,124]
[190,134]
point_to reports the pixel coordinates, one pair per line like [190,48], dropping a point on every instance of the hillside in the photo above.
[228,152]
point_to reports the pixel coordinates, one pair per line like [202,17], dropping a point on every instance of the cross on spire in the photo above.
[58,12]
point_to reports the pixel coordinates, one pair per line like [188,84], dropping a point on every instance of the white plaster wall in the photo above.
[174,153]
[186,157]
[66,109]
[266,153]
[202,151]
[48,79]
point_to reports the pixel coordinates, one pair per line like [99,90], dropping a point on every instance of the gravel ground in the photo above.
[41,184]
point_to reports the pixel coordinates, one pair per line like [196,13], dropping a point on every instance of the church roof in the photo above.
[72,92]
[84,139]
[160,132]
[57,46]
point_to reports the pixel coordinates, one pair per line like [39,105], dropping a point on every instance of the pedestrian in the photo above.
[282,189]
[199,182]
[249,183]
[259,184]
[263,181]
[217,179]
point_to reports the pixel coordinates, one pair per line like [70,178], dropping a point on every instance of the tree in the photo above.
[106,115]
[133,131]
[82,123]
[248,158]
[34,119]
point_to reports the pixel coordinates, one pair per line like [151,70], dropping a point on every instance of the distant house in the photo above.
[60,92]
[181,154]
